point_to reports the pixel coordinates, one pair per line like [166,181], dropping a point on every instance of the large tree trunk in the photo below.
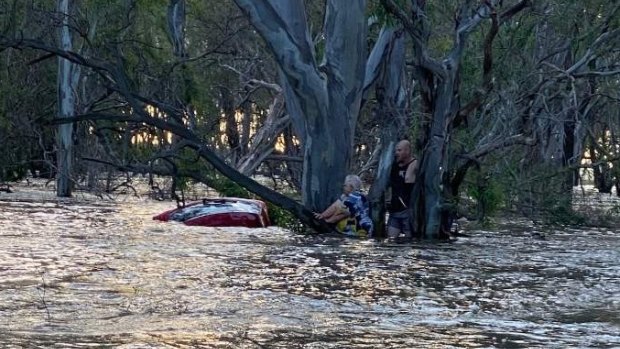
[386,66]
[68,75]
[323,101]
[227,105]
[428,201]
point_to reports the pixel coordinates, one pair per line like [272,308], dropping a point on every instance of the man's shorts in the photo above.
[400,220]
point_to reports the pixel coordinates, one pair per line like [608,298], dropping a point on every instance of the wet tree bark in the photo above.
[386,66]
[428,199]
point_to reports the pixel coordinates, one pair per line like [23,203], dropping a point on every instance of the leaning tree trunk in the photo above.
[68,75]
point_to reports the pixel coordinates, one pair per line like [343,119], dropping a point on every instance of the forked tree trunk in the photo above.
[323,100]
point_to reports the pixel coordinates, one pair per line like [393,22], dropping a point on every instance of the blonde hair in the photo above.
[354,181]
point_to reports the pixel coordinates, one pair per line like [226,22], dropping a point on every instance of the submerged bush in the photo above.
[562,213]
[284,219]
[488,195]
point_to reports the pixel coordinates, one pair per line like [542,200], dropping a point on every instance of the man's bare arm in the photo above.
[412,169]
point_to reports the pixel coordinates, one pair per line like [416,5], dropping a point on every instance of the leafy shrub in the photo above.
[12,173]
[559,212]
[284,219]
[488,194]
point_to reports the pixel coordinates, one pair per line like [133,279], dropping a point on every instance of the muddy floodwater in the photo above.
[83,274]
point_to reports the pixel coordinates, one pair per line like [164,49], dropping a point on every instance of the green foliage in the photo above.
[132,35]
[488,193]
[226,187]
[284,219]
[377,10]
[614,213]
[12,173]
[559,211]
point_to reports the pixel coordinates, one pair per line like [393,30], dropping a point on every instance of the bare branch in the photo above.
[487,76]
[597,73]
[591,52]
[421,48]
[500,144]
[518,7]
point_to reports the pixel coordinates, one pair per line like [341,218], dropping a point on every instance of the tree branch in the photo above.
[421,48]
[487,76]
[518,7]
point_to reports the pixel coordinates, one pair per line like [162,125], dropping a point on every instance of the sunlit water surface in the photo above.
[85,274]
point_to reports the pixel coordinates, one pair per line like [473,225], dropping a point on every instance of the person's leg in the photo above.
[393,233]
[341,226]
[406,228]
[337,217]
[408,225]
[399,223]
[348,227]
[333,209]
[366,230]
[393,230]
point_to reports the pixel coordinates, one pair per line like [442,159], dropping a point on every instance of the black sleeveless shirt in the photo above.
[401,191]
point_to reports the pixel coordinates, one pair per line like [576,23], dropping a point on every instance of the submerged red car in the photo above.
[220,212]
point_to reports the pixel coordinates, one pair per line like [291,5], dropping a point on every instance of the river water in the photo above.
[82,274]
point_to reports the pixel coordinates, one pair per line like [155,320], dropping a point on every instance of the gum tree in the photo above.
[323,99]
[439,89]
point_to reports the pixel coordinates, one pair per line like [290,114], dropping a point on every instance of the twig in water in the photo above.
[42,291]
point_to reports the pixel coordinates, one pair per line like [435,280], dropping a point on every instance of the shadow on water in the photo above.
[82,275]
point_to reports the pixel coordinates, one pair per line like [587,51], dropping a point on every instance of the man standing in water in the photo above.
[402,179]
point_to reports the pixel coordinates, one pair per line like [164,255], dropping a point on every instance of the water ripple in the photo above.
[78,275]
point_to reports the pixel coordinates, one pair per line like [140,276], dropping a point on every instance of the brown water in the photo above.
[84,275]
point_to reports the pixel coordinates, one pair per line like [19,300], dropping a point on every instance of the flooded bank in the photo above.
[87,274]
